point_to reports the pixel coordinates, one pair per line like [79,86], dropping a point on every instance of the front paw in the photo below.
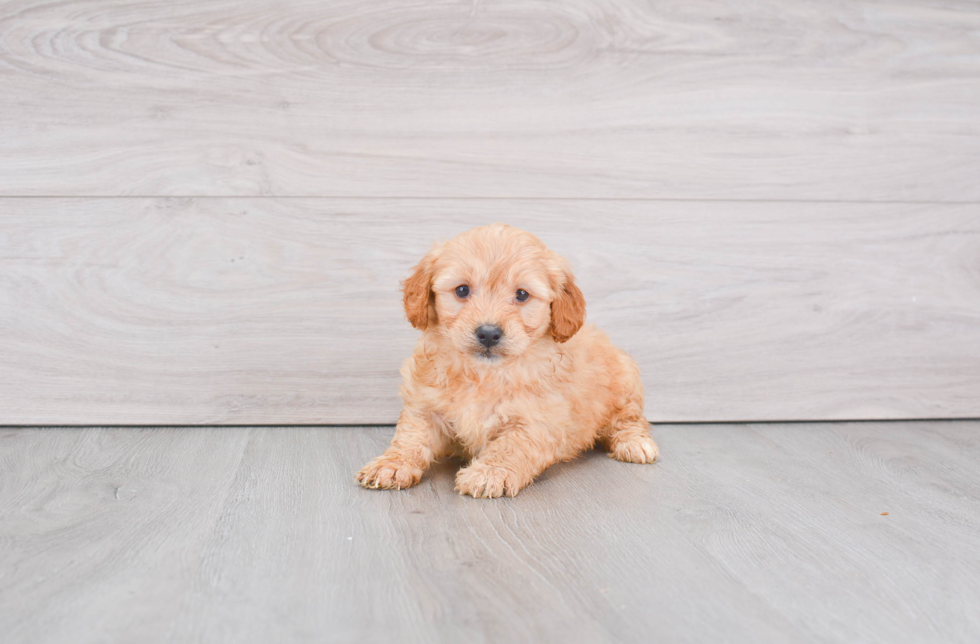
[389,472]
[483,481]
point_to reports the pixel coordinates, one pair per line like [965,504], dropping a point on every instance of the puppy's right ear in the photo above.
[420,306]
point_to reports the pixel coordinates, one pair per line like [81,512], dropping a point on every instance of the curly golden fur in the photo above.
[544,391]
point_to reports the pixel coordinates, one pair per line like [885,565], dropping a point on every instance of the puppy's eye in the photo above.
[462,291]
[522,295]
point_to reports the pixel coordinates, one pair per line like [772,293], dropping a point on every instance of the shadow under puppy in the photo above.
[505,373]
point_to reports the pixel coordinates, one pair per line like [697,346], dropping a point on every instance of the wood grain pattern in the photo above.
[199,311]
[520,98]
[753,533]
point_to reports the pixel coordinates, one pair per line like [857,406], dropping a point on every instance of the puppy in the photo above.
[505,374]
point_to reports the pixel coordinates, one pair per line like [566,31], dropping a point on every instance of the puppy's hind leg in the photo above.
[630,442]
[417,442]
[627,438]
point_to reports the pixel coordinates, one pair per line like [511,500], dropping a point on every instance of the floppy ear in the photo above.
[567,310]
[419,300]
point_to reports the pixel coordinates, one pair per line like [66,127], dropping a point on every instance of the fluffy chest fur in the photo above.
[475,404]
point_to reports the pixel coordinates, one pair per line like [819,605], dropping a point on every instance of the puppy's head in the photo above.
[492,292]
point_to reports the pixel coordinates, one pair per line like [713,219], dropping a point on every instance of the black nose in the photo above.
[489,334]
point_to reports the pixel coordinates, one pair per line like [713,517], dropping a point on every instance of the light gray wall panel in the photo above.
[144,311]
[520,98]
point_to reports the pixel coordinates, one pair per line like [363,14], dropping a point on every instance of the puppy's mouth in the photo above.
[485,355]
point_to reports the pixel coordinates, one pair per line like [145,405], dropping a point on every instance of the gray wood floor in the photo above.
[742,533]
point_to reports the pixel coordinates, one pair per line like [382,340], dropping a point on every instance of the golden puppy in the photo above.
[504,373]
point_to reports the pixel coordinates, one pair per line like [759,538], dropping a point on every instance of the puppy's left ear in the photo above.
[567,310]
[419,301]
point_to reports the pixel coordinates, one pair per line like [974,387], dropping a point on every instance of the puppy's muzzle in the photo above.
[489,335]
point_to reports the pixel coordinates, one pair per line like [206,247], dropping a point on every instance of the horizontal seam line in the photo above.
[479,198]
[392,426]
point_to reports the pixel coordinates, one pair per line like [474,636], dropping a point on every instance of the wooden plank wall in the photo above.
[206,207]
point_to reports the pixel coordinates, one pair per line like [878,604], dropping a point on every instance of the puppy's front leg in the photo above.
[415,444]
[509,463]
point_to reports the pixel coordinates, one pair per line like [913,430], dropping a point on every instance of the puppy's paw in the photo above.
[637,448]
[389,472]
[482,481]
